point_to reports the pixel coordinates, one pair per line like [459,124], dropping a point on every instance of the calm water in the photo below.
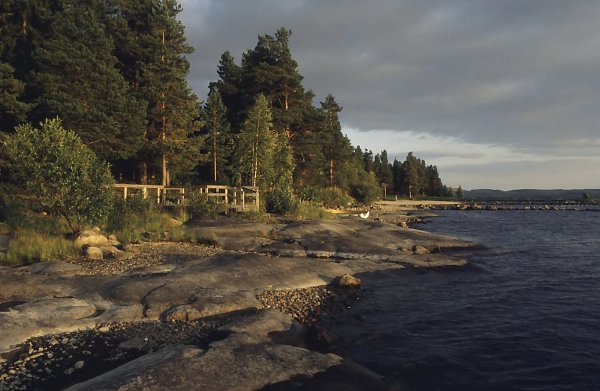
[524,316]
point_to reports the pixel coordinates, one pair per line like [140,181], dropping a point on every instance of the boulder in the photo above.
[90,238]
[417,249]
[135,343]
[349,281]
[93,253]
[111,252]
[113,241]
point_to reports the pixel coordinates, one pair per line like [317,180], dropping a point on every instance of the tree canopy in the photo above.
[115,73]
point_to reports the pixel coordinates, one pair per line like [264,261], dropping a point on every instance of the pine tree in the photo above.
[335,149]
[398,177]
[175,112]
[269,69]
[412,178]
[256,145]
[78,82]
[228,86]
[151,48]
[311,163]
[221,142]
[12,110]
[368,161]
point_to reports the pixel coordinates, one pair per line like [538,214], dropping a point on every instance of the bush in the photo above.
[280,199]
[334,198]
[50,170]
[365,189]
[308,210]
[198,206]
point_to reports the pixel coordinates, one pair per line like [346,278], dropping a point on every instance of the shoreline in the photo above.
[286,267]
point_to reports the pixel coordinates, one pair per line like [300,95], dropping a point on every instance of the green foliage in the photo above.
[310,211]
[198,205]
[76,79]
[28,246]
[123,209]
[218,131]
[365,189]
[257,216]
[138,218]
[328,197]
[280,199]
[12,110]
[19,215]
[50,170]
[114,71]
[255,146]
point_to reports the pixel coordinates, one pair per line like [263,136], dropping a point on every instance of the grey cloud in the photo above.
[513,72]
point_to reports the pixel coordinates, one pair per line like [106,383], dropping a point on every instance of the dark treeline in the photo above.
[413,177]
[115,72]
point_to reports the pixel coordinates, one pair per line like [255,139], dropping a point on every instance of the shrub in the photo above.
[334,198]
[50,170]
[198,206]
[365,189]
[308,210]
[280,199]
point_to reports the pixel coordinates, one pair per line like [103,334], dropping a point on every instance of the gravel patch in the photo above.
[147,254]
[308,305]
[54,362]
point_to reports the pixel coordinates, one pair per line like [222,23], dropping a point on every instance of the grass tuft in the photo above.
[28,246]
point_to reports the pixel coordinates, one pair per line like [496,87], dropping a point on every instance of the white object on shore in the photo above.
[365,215]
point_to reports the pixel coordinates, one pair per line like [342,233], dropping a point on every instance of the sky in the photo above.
[501,94]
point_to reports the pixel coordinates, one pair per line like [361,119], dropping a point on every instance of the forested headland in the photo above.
[115,72]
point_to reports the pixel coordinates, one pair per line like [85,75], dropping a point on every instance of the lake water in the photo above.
[524,316]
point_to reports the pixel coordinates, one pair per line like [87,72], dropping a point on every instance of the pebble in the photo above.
[104,329]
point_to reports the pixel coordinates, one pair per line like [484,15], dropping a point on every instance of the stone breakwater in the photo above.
[186,314]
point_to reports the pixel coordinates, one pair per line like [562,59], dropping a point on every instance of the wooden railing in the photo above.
[241,199]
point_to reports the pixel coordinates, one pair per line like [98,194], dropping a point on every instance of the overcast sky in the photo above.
[500,94]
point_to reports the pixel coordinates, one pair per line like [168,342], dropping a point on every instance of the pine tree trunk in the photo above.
[215,154]
[165,171]
[331,163]
[144,173]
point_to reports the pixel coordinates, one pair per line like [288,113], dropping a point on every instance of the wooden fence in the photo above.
[240,199]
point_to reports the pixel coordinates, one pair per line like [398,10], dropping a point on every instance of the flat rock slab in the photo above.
[313,253]
[44,316]
[342,238]
[246,360]
[197,288]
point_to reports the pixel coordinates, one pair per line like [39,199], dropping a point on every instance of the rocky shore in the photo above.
[247,311]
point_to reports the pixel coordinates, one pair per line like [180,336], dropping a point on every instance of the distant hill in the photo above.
[530,194]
